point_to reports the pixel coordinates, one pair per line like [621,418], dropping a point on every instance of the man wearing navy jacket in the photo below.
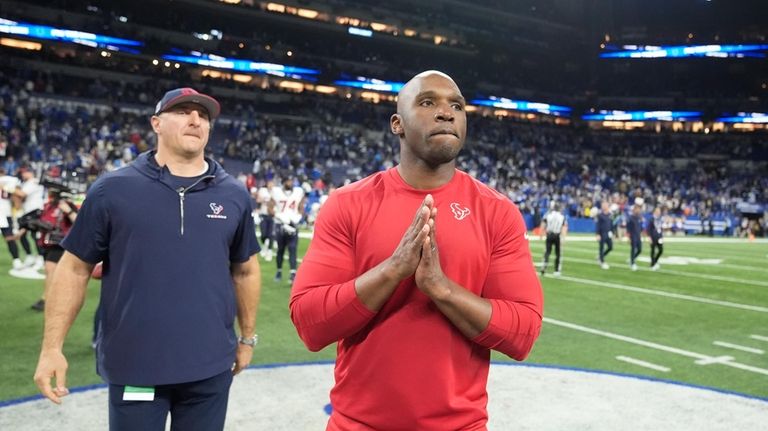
[635,230]
[604,233]
[178,243]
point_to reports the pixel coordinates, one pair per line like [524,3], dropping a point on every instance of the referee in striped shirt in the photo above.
[555,225]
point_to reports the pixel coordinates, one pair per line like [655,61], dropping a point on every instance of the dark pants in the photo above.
[289,241]
[53,253]
[267,227]
[637,247]
[656,246]
[25,243]
[194,406]
[606,245]
[7,233]
[553,239]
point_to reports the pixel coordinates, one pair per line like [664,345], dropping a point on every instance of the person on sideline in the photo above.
[289,203]
[178,245]
[635,231]
[555,225]
[604,233]
[417,272]
[58,215]
[656,232]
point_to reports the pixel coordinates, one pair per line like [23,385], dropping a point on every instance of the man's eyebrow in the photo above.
[430,93]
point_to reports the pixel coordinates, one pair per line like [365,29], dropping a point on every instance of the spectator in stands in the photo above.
[420,260]
[174,269]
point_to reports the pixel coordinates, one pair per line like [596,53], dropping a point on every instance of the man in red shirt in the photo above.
[416,301]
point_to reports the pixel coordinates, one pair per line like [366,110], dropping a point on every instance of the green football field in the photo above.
[701,320]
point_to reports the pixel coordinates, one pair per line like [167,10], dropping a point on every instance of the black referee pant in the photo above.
[553,239]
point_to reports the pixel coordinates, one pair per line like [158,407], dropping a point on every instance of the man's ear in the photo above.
[396,124]
[154,121]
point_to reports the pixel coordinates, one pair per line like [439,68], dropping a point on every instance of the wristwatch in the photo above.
[250,341]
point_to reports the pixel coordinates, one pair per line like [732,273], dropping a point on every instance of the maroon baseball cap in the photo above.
[188,95]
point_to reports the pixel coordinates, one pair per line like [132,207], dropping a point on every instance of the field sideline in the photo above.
[701,320]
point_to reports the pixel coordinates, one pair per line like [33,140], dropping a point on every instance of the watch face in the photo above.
[249,341]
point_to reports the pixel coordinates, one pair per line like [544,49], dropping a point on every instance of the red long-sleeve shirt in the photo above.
[406,366]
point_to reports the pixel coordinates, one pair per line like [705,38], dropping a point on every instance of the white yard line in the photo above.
[566,259]
[645,364]
[759,267]
[738,347]
[697,356]
[712,277]
[758,337]
[663,293]
[667,239]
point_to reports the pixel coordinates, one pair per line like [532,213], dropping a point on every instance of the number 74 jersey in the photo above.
[288,204]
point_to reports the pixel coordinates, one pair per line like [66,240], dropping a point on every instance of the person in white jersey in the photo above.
[8,184]
[266,207]
[289,202]
[32,195]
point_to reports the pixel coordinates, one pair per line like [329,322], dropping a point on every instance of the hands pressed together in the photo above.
[418,254]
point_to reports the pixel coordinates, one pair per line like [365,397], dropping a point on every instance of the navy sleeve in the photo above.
[245,244]
[89,237]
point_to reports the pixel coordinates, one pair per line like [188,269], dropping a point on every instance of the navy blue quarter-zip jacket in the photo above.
[635,227]
[167,298]
[603,225]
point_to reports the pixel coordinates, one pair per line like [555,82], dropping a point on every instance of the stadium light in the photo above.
[604,115]
[242,65]
[678,51]
[360,32]
[522,105]
[371,84]
[745,117]
[66,35]
[21,44]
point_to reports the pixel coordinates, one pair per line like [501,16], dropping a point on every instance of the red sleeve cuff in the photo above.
[512,330]
[494,334]
[348,293]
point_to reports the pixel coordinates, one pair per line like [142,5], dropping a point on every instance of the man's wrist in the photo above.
[252,341]
[390,272]
[51,348]
[438,291]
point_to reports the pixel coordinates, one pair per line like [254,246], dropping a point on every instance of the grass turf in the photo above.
[578,298]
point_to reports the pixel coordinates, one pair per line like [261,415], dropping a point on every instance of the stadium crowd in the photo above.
[45,121]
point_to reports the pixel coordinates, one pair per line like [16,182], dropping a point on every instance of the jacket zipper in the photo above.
[183,191]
